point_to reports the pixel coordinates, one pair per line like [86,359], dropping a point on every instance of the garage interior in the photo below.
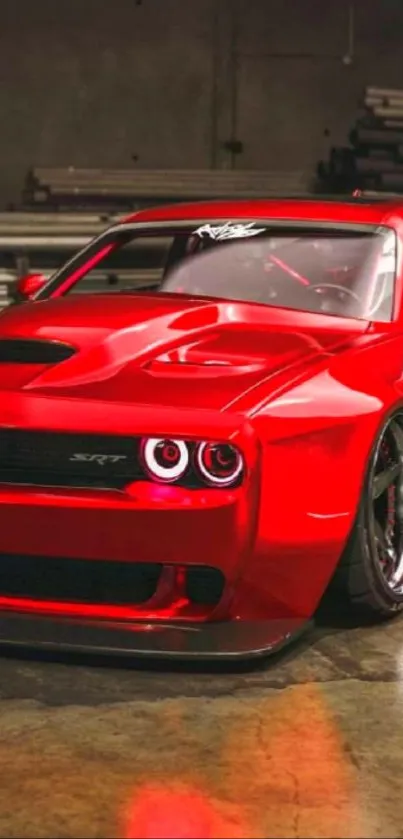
[107,109]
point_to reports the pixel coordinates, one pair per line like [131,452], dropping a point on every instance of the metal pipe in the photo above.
[384,92]
[54,220]
[53,243]
[391,181]
[213,183]
[149,178]
[376,137]
[377,102]
[393,113]
[369,166]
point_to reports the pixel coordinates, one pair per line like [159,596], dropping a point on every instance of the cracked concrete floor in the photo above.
[309,744]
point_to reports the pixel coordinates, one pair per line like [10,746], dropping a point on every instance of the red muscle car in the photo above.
[185,470]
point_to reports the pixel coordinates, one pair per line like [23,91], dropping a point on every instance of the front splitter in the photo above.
[208,641]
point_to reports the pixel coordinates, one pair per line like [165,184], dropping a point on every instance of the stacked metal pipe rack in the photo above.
[374,158]
[120,190]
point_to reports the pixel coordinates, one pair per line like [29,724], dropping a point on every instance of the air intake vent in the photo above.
[22,351]
[78,580]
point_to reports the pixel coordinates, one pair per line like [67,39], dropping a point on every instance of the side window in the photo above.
[181,247]
[381,305]
[137,264]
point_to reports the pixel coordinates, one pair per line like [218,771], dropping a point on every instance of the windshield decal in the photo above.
[229,231]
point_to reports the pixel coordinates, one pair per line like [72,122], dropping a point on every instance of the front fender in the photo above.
[316,446]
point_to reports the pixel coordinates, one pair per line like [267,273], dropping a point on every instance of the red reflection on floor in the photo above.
[157,812]
[290,758]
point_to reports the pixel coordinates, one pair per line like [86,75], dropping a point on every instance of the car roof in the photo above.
[313,209]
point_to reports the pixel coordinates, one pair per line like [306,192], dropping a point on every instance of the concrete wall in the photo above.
[94,83]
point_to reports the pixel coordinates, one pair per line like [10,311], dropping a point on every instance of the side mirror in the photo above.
[26,287]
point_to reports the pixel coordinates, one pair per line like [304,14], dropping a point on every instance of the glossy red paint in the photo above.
[301,395]
[311,210]
[30,284]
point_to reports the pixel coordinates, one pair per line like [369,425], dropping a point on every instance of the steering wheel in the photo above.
[334,287]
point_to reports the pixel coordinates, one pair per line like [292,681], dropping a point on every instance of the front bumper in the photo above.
[264,604]
[151,525]
[228,640]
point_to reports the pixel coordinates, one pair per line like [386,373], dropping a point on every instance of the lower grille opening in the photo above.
[78,581]
[204,586]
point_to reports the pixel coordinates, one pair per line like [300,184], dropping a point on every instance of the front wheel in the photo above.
[371,569]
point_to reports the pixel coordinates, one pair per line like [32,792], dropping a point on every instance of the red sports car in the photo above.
[185,469]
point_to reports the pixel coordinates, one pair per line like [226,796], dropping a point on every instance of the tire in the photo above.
[370,573]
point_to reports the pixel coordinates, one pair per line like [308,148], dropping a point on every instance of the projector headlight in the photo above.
[165,460]
[220,464]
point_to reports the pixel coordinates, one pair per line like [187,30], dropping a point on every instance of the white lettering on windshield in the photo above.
[229,231]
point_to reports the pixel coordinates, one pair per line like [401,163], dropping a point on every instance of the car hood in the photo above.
[168,350]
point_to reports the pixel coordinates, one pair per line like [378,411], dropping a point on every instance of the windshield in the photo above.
[348,272]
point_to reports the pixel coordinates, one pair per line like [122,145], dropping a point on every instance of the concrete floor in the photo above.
[309,744]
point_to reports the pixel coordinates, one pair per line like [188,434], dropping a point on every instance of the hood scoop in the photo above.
[34,351]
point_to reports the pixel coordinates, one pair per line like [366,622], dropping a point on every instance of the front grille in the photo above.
[27,351]
[50,459]
[78,581]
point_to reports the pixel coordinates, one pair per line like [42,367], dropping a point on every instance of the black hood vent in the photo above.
[28,351]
